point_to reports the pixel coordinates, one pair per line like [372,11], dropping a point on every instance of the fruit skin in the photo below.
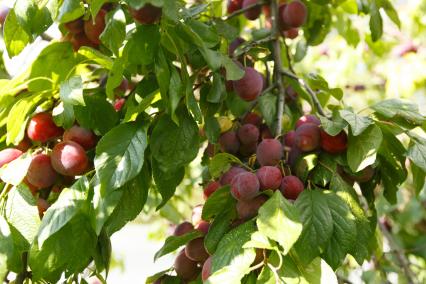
[207,269]
[211,188]
[289,138]
[196,251]
[248,134]
[75,27]
[248,209]
[252,118]
[253,13]
[229,142]
[42,206]
[41,128]
[230,174]
[93,29]
[183,228]
[269,177]
[308,119]
[269,152]
[294,14]
[265,132]
[250,86]
[291,33]
[80,40]
[203,227]
[245,186]
[8,155]
[40,172]
[4,10]
[146,15]
[291,187]
[307,137]
[119,103]
[69,159]
[334,144]
[24,145]
[246,150]
[234,5]
[82,136]
[185,268]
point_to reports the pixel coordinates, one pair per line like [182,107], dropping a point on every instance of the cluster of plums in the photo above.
[57,155]
[83,32]
[291,15]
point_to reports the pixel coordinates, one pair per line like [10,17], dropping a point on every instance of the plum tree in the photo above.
[245,186]
[289,138]
[185,268]
[252,118]
[253,13]
[196,251]
[40,172]
[269,177]
[307,137]
[230,174]
[291,187]
[229,142]
[248,134]
[334,144]
[247,209]
[269,152]
[207,269]
[75,27]
[294,14]
[183,228]
[80,135]
[234,5]
[250,86]
[94,28]
[8,155]
[210,188]
[307,119]
[146,15]
[203,227]
[69,159]
[41,128]
[42,206]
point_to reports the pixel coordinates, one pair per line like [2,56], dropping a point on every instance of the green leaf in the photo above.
[231,261]
[96,56]
[217,90]
[176,92]
[175,146]
[162,72]
[358,123]
[222,162]
[34,16]
[172,243]
[70,10]
[419,178]
[322,173]
[115,31]
[143,44]
[71,91]
[220,226]
[97,114]
[391,12]
[317,224]
[14,172]
[102,255]
[268,108]
[10,258]
[71,201]
[277,213]
[362,149]
[216,203]
[115,75]
[233,71]
[376,21]
[21,212]
[333,126]
[63,115]
[395,108]
[212,129]
[120,154]
[15,37]
[417,153]
[166,181]
[96,5]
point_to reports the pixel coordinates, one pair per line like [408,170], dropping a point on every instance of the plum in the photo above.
[246,150]
[245,186]
[289,138]
[186,268]
[8,155]
[247,209]
[41,128]
[252,118]
[294,14]
[148,14]
[207,269]
[308,119]
[291,33]
[229,142]
[183,228]
[203,227]
[82,136]
[291,187]
[234,5]
[248,134]
[80,40]
[40,173]
[269,152]
[269,177]
[234,45]
[230,174]
[42,206]
[307,137]
[196,251]
[211,188]
[4,10]
[69,159]
[94,28]
[76,26]
[253,13]
[334,144]
[250,86]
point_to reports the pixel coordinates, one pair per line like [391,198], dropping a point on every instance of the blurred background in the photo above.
[394,67]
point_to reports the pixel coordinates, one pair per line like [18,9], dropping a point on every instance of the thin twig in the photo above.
[243,10]
[290,66]
[245,47]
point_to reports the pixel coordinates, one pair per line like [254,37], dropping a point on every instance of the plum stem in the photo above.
[277,67]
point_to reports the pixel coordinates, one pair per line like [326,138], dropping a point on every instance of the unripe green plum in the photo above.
[40,172]
[334,144]
[148,14]
[41,128]
[8,155]
[183,228]
[250,86]
[291,187]
[269,177]
[248,134]
[82,136]
[93,29]
[230,174]
[245,186]
[229,142]
[253,13]
[247,209]
[294,14]
[69,159]
[186,268]
[307,137]
[196,251]
[269,152]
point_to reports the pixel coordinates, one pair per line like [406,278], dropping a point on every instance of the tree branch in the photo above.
[277,67]
[243,10]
